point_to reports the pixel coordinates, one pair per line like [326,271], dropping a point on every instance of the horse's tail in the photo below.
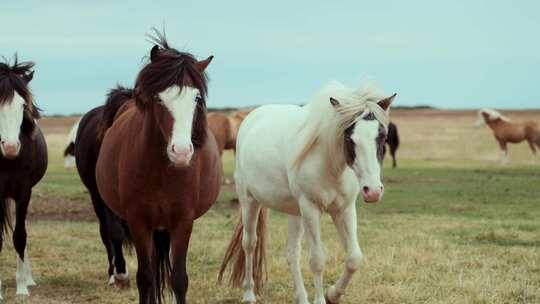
[235,255]
[5,219]
[116,97]
[162,264]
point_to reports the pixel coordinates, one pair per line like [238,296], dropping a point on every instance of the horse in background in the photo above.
[159,167]
[392,140]
[113,231]
[23,160]
[69,151]
[507,131]
[305,161]
[225,128]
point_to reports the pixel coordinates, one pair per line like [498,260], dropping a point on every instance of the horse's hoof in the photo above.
[121,283]
[327,300]
[22,291]
[111,280]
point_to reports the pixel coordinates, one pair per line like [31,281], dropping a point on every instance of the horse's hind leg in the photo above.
[345,223]
[117,236]
[179,247]
[250,217]
[294,247]
[23,276]
[101,213]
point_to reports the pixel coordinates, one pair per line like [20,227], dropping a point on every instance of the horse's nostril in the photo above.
[366,189]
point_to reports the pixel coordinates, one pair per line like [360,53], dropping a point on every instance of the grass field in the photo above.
[454,226]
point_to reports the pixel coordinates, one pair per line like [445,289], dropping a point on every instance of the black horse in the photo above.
[392,140]
[114,232]
[23,159]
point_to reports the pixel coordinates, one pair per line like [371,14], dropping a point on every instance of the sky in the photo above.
[447,54]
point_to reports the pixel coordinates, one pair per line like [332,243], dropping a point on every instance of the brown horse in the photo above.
[225,128]
[508,131]
[159,167]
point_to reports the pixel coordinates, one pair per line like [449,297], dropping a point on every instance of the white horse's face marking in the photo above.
[368,140]
[11,118]
[182,105]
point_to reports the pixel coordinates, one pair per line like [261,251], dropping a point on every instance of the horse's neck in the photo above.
[498,124]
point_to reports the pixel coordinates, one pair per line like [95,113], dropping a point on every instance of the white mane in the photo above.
[325,125]
[492,114]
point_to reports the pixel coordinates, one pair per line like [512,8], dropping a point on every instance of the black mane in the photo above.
[116,97]
[14,78]
[169,67]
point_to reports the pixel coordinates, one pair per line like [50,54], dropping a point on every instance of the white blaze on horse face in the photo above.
[181,105]
[11,118]
[366,164]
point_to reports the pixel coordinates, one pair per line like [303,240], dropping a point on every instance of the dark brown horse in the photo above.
[23,159]
[159,167]
[86,143]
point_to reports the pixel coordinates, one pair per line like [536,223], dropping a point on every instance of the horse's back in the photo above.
[87,145]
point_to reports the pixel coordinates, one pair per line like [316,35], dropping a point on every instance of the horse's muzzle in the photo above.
[10,150]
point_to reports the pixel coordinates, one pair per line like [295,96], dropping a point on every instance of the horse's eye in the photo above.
[157,98]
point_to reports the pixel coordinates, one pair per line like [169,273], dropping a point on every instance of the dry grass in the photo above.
[455,227]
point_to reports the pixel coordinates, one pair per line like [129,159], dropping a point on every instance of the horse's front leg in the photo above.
[23,277]
[311,218]
[179,248]
[345,222]
[504,152]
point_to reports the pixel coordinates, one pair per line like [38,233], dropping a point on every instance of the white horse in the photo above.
[304,161]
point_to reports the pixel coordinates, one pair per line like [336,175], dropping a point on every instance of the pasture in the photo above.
[454,226]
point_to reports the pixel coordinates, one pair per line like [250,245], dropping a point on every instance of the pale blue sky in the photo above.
[451,54]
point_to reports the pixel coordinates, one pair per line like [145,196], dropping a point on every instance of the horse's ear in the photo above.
[154,53]
[28,77]
[386,102]
[201,65]
[334,102]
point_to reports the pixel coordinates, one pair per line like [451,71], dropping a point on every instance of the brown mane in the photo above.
[14,78]
[168,67]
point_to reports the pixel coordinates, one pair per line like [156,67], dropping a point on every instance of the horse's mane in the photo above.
[493,114]
[325,125]
[116,97]
[167,68]
[13,80]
